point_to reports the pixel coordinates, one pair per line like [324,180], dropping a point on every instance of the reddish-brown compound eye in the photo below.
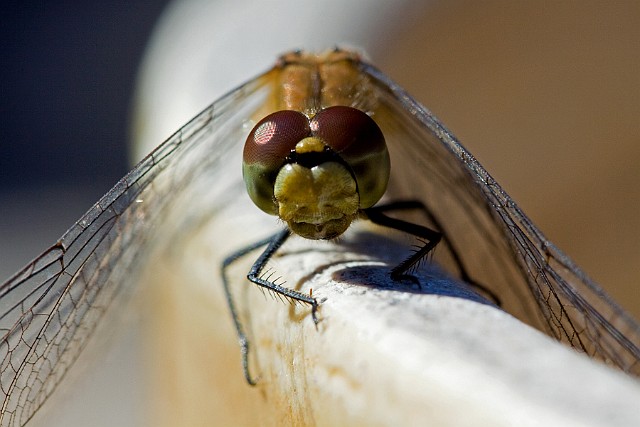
[347,129]
[273,138]
[359,141]
[265,151]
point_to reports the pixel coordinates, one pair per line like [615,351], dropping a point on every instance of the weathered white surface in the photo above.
[384,353]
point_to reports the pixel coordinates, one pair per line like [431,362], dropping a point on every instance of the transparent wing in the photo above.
[49,309]
[497,244]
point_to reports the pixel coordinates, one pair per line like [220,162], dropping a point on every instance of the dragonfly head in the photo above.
[316,174]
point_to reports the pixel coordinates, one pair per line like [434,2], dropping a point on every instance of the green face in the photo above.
[316,174]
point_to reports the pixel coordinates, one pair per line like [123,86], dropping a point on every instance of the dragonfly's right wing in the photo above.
[49,309]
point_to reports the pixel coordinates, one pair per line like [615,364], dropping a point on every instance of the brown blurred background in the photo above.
[547,96]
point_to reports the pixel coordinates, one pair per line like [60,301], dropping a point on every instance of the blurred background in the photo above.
[545,95]
[68,76]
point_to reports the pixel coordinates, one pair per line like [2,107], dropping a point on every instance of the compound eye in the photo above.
[347,129]
[267,146]
[273,138]
[359,141]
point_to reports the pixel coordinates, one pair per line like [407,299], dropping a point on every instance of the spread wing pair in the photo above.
[50,308]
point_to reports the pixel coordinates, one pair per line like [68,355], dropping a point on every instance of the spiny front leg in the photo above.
[255,274]
[376,215]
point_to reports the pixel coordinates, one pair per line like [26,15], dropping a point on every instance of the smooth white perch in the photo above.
[384,353]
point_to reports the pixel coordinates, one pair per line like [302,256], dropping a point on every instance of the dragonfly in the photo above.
[51,308]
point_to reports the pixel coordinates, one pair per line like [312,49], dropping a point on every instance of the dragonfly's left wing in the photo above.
[496,242]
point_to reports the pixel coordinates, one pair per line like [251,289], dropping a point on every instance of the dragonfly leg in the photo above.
[273,244]
[377,216]
[410,262]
